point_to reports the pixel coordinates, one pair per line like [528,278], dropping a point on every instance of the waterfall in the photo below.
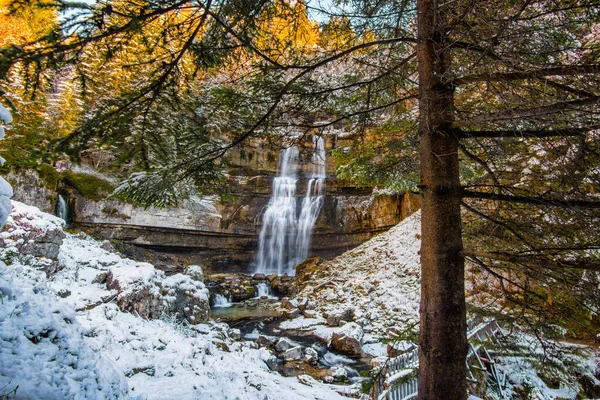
[264,289]
[61,208]
[222,301]
[284,239]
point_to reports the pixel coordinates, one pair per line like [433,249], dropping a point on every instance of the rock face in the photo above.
[30,189]
[348,339]
[31,240]
[223,236]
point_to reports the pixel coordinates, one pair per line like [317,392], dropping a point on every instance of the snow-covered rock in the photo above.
[195,272]
[294,353]
[186,298]
[29,236]
[43,349]
[348,338]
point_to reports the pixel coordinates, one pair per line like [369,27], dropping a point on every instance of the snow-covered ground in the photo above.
[378,280]
[49,350]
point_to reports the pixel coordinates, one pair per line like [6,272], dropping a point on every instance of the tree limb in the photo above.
[540,201]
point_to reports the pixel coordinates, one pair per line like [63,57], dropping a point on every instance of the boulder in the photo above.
[266,341]
[185,298]
[36,243]
[339,374]
[348,339]
[311,356]
[294,353]
[284,344]
[283,285]
[137,292]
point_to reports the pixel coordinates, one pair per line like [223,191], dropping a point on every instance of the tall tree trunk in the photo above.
[442,338]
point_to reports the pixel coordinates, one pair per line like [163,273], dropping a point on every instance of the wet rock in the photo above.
[259,277]
[348,339]
[266,341]
[311,356]
[240,287]
[64,293]
[283,286]
[294,353]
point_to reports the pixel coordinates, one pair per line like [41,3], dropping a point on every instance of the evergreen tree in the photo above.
[499,83]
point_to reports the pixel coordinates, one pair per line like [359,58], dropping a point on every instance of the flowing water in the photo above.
[61,208]
[263,289]
[222,301]
[285,236]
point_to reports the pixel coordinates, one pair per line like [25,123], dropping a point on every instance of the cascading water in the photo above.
[61,208]
[285,236]
[222,301]
[263,289]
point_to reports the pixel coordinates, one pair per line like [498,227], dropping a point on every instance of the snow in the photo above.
[82,346]
[5,189]
[378,280]
[5,115]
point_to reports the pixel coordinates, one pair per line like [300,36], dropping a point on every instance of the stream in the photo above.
[259,317]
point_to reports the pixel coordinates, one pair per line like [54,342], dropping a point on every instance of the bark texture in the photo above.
[442,338]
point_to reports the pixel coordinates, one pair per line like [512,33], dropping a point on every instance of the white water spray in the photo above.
[285,236]
[263,289]
[222,301]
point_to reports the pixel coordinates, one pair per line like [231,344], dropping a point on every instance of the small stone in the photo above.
[64,293]
[222,346]
[259,277]
[309,314]
[101,278]
[311,356]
